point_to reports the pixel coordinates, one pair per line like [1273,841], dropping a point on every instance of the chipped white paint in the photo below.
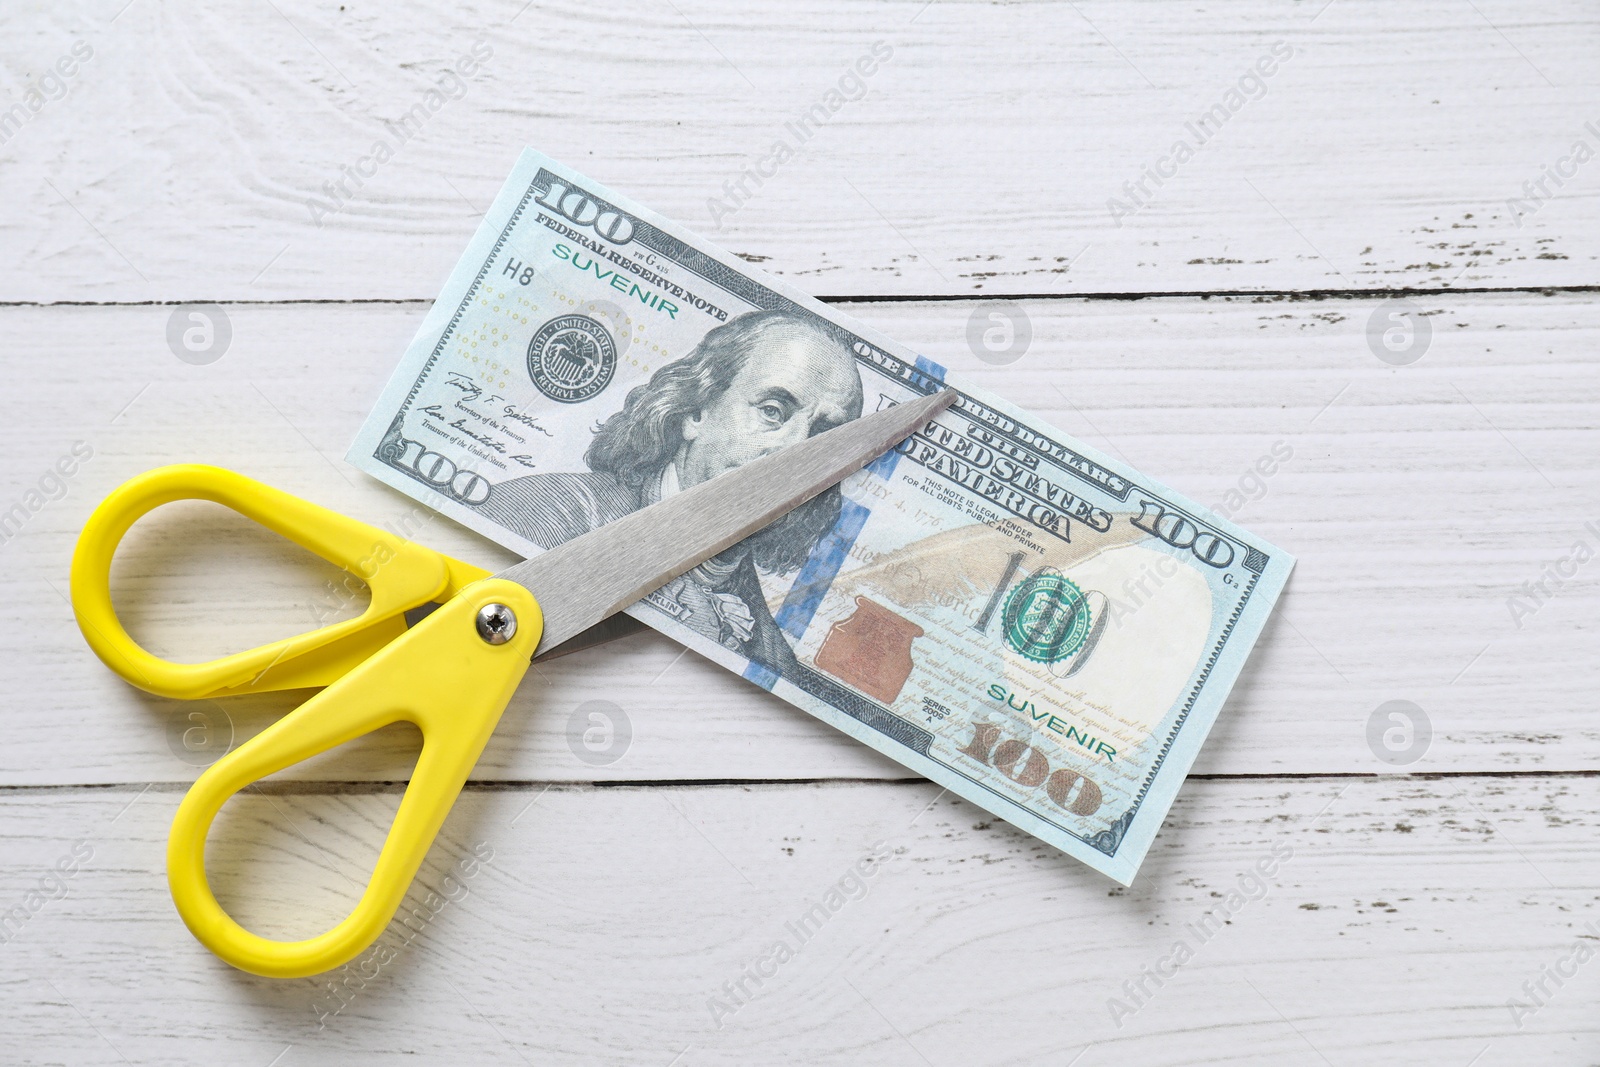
[616,926]
[190,156]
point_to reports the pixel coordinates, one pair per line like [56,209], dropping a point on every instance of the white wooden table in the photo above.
[1221,313]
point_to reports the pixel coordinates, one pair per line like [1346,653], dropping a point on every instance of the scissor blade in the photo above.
[602,632]
[594,576]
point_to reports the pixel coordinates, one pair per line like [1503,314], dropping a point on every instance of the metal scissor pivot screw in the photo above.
[497,623]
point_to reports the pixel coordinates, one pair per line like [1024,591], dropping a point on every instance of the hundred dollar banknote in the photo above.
[1024,620]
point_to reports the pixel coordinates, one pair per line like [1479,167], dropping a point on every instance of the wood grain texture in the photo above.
[1403,917]
[1383,152]
[1418,499]
[1398,918]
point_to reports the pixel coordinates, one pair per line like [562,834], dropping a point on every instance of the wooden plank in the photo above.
[1395,920]
[1419,499]
[1383,150]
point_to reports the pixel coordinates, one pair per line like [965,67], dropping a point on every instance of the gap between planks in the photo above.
[359,787]
[1259,295]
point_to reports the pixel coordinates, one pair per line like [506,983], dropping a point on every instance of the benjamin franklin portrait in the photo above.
[753,385]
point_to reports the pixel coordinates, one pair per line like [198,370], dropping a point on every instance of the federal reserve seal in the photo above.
[571,358]
[1046,618]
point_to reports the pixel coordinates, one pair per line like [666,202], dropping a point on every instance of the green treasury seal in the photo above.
[1046,618]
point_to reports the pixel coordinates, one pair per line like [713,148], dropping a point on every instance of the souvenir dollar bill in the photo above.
[1028,622]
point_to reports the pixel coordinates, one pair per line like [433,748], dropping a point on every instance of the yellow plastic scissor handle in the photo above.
[440,675]
[399,574]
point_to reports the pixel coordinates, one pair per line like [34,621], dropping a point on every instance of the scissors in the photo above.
[450,670]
